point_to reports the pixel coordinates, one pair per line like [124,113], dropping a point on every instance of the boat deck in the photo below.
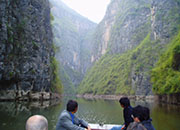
[102,127]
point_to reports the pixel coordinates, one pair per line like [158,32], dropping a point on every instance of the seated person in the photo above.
[37,122]
[127,112]
[147,119]
[68,121]
[138,117]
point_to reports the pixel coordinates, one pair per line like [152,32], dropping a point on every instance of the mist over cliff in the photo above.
[72,35]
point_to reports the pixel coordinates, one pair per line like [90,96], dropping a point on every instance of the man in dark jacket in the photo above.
[127,111]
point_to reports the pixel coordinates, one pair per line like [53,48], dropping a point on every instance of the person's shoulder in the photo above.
[147,122]
[64,117]
[141,127]
[64,113]
[136,125]
[132,125]
[129,108]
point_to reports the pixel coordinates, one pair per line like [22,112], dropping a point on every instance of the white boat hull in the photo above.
[102,127]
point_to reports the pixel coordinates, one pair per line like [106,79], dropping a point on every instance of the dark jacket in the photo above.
[148,124]
[127,112]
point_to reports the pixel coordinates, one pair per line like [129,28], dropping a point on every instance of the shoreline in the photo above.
[168,99]
[116,97]
[46,96]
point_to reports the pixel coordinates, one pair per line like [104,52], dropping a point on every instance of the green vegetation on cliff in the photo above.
[166,74]
[107,75]
[56,82]
[139,34]
[113,74]
[66,81]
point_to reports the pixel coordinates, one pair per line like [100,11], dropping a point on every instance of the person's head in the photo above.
[72,106]
[137,113]
[124,101]
[146,113]
[37,122]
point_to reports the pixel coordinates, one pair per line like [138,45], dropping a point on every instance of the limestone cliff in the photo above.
[25,47]
[127,44]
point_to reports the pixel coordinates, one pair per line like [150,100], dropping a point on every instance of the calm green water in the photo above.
[13,116]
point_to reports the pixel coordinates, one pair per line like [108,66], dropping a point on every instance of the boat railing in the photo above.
[102,126]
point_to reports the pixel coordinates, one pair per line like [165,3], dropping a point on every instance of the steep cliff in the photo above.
[72,34]
[26,51]
[122,22]
[102,33]
[129,41]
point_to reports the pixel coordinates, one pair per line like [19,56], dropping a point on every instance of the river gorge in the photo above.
[13,115]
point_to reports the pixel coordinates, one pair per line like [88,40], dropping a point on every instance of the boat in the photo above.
[102,126]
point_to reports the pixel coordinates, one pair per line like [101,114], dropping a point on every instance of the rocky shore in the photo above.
[170,99]
[11,95]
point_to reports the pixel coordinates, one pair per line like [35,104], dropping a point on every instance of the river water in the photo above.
[13,116]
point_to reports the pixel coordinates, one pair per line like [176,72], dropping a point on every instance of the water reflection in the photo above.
[13,116]
[100,111]
[166,117]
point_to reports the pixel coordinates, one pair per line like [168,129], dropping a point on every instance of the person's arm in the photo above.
[80,122]
[123,127]
[67,123]
[127,116]
[89,128]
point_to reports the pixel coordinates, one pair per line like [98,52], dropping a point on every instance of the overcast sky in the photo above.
[94,10]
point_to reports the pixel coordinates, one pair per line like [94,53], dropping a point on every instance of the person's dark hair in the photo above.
[146,113]
[71,105]
[124,101]
[138,112]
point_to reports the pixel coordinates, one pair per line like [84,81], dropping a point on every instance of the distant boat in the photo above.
[102,126]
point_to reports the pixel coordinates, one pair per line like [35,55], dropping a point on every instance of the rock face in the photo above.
[128,43]
[122,22]
[164,24]
[102,33]
[72,34]
[171,98]
[165,19]
[25,45]
[127,23]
